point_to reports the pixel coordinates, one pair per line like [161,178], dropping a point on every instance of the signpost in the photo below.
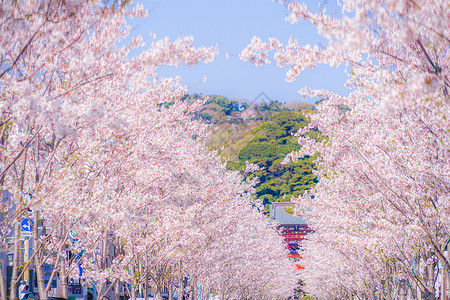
[26,227]
[26,274]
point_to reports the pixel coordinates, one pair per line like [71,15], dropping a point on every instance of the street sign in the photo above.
[23,291]
[26,224]
[26,234]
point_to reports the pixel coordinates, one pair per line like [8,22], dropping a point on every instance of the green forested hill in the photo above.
[272,141]
[261,133]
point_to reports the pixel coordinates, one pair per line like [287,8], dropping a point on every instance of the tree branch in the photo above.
[2,175]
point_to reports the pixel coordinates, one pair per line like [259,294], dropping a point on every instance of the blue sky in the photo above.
[231,25]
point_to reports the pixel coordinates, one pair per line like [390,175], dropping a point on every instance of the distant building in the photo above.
[293,229]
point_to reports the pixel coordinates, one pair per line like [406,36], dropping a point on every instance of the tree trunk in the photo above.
[38,266]
[388,289]
[431,288]
[158,294]
[402,290]
[192,289]
[145,287]
[421,295]
[181,287]
[419,292]
[64,279]
[14,279]
[2,281]
[102,285]
[133,294]
[117,251]
[100,291]
[170,287]
[117,290]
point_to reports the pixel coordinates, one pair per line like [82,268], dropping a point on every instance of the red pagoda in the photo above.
[293,229]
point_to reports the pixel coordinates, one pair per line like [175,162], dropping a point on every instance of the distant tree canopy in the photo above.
[272,141]
[264,138]
[217,109]
[223,102]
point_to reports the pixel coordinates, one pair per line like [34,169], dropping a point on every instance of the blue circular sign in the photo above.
[26,224]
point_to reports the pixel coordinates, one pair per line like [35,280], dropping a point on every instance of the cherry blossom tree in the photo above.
[247,262]
[60,68]
[163,211]
[113,167]
[380,209]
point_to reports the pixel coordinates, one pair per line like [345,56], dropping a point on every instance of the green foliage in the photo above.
[272,141]
[227,105]
[219,118]
[261,133]
[206,116]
